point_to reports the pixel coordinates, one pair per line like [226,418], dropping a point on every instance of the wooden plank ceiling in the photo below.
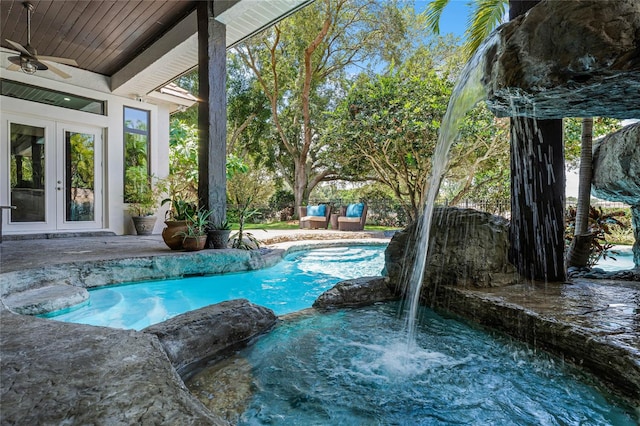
[101,35]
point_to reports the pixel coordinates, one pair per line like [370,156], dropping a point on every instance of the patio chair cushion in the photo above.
[316,210]
[349,219]
[355,210]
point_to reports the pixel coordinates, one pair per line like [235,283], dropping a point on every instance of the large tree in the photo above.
[387,128]
[386,131]
[300,64]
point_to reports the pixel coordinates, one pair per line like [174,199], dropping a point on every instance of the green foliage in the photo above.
[136,169]
[81,160]
[479,160]
[281,198]
[248,113]
[180,209]
[244,242]
[183,201]
[384,209]
[300,66]
[487,15]
[197,224]
[140,192]
[601,225]
[386,130]
[183,160]
[235,165]
[220,226]
[572,128]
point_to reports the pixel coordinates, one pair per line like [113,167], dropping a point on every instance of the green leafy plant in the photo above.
[178,194]
[245,212]
[197,224]
[180,209]
[600,226]
[140,192]
[220,226]
[244,241]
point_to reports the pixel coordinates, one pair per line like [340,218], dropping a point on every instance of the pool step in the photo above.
[45,299]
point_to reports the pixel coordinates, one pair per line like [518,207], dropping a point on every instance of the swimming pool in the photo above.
[291,285]
[352,367]
[623,260]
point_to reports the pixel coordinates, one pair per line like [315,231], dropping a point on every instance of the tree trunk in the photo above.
[300,195]
[537,191]
[578,253]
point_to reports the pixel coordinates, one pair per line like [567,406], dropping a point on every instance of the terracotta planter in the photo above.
[218,238]
[172,233]
[144,224]
[194,243]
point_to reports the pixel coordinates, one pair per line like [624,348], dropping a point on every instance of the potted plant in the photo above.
[195,236]
[176,220]
[219,235]
[142,198]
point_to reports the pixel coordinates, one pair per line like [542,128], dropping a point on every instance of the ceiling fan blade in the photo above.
[13,67]
[57,70]
[66,61]
[20,48]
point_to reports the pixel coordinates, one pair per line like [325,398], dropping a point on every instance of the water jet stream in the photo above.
[467,92]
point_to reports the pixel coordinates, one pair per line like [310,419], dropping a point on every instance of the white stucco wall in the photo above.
[95,86]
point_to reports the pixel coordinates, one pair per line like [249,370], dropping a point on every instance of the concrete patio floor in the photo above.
[23,254]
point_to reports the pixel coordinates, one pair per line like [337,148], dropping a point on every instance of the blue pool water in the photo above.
[623,260]
[352,368]
[289,286]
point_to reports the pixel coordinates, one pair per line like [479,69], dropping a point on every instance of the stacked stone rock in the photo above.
[616,174]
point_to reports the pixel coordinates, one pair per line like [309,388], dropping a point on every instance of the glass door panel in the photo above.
[27,173]
[79,188]
[52,173]
[79,177]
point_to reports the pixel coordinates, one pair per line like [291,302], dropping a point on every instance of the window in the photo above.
[46,96]
[136,152]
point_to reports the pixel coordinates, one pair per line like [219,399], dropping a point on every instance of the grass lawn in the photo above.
[273,225]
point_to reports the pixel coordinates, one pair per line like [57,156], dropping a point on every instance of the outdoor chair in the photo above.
[314,217]
[352,217]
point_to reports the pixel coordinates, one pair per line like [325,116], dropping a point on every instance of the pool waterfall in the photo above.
[466,94]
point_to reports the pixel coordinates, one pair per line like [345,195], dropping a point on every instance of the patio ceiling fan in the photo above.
[29,61]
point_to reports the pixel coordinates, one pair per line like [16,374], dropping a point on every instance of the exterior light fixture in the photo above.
[28,67]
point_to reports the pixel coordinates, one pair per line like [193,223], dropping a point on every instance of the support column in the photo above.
[212,113]
[537,199]
[537,191]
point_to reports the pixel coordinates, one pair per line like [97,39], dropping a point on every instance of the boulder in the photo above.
[59,373]
[616,174]
[195,337]
[566,59]
[616,166]
[45,299]
[356,292]
[466,248]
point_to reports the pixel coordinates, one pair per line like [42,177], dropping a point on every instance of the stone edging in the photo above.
[47,289]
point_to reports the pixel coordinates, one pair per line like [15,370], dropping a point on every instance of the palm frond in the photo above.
[433,12]
[486,17]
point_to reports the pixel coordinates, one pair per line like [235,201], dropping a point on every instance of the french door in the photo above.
[52,173]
